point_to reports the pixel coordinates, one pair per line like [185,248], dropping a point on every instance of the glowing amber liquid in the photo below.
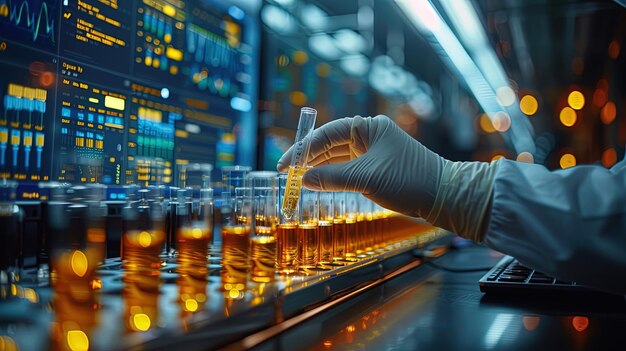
[235,254]
[263,255]
[339,238]
[351,238]
[325,229]
[292,190]
[308,245]
[76,305]
[287,248]
[141,262]
[192,270]
[141,248]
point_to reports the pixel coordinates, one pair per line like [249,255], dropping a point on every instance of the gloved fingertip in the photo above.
[282,167]
[311,180]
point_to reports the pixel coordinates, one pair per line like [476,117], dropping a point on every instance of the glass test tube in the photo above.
[308,233]
[287,248]
[143,226]
[236,230]
[325,228]
[195,230]
[339,226]
[298,164]
[265,219]
[352,235]
[76,223]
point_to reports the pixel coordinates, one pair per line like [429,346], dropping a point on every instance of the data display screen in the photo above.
[120,92]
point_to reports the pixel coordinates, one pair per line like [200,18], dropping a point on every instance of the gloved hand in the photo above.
[375,157]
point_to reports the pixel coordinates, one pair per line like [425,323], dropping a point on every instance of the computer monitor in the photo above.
[120,92]
[293,77]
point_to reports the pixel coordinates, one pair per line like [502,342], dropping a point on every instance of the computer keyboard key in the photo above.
[511,279]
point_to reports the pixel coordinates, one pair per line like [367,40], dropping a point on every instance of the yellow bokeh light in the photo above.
[145,239]
[77,340]
[298,98]
[8,344]
[300,57]
[233,294]
[525,156]
[568,116]
[191,305]
[141,321]
[196,233]
[79,263]
[576,100]
[529,105]
[567,161]
[485,124]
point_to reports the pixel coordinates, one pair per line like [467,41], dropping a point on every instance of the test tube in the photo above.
[265,219]
[339,226]
[325,228]
[352,235]
[236,230]
[308,233]
[287,248]
[298,164]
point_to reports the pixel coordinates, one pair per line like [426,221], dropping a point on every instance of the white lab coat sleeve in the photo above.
[567,223]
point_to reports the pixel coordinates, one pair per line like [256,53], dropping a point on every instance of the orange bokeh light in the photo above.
[608,113]
[609,157]
[580,323]
[530,322]
[46,79]
[599,97]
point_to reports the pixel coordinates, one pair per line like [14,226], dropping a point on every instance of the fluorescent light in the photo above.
[349,41]
[323,45]
[355,65]
[277,19]
[314,17]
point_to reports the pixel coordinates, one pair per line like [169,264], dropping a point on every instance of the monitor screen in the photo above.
[120,92]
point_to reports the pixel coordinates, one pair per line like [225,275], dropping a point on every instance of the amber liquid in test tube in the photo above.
[236,233]
[286,234]
[352,234]
[308,233]
[298,165]
[325,228]
[339,226]
[265,214]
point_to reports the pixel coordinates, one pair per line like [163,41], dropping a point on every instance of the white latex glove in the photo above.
[375,157]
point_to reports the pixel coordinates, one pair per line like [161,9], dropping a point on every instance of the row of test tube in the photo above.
[167,224]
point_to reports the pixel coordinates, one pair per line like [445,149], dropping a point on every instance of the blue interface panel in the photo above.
[120,92]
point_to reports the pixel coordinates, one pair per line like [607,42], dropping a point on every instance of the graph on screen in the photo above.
[121,92]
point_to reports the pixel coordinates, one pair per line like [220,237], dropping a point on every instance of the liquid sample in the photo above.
[75,300]
[308,245]
[263,255]
[339,238]
[325,229]
[192,269]
[141,249]
[292,190]
[193,251]
[351,238]
[235,254]
[287,248]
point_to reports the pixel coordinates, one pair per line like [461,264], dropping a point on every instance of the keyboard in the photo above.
[509,275]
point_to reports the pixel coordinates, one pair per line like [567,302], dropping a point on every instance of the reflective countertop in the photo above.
[429,308]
